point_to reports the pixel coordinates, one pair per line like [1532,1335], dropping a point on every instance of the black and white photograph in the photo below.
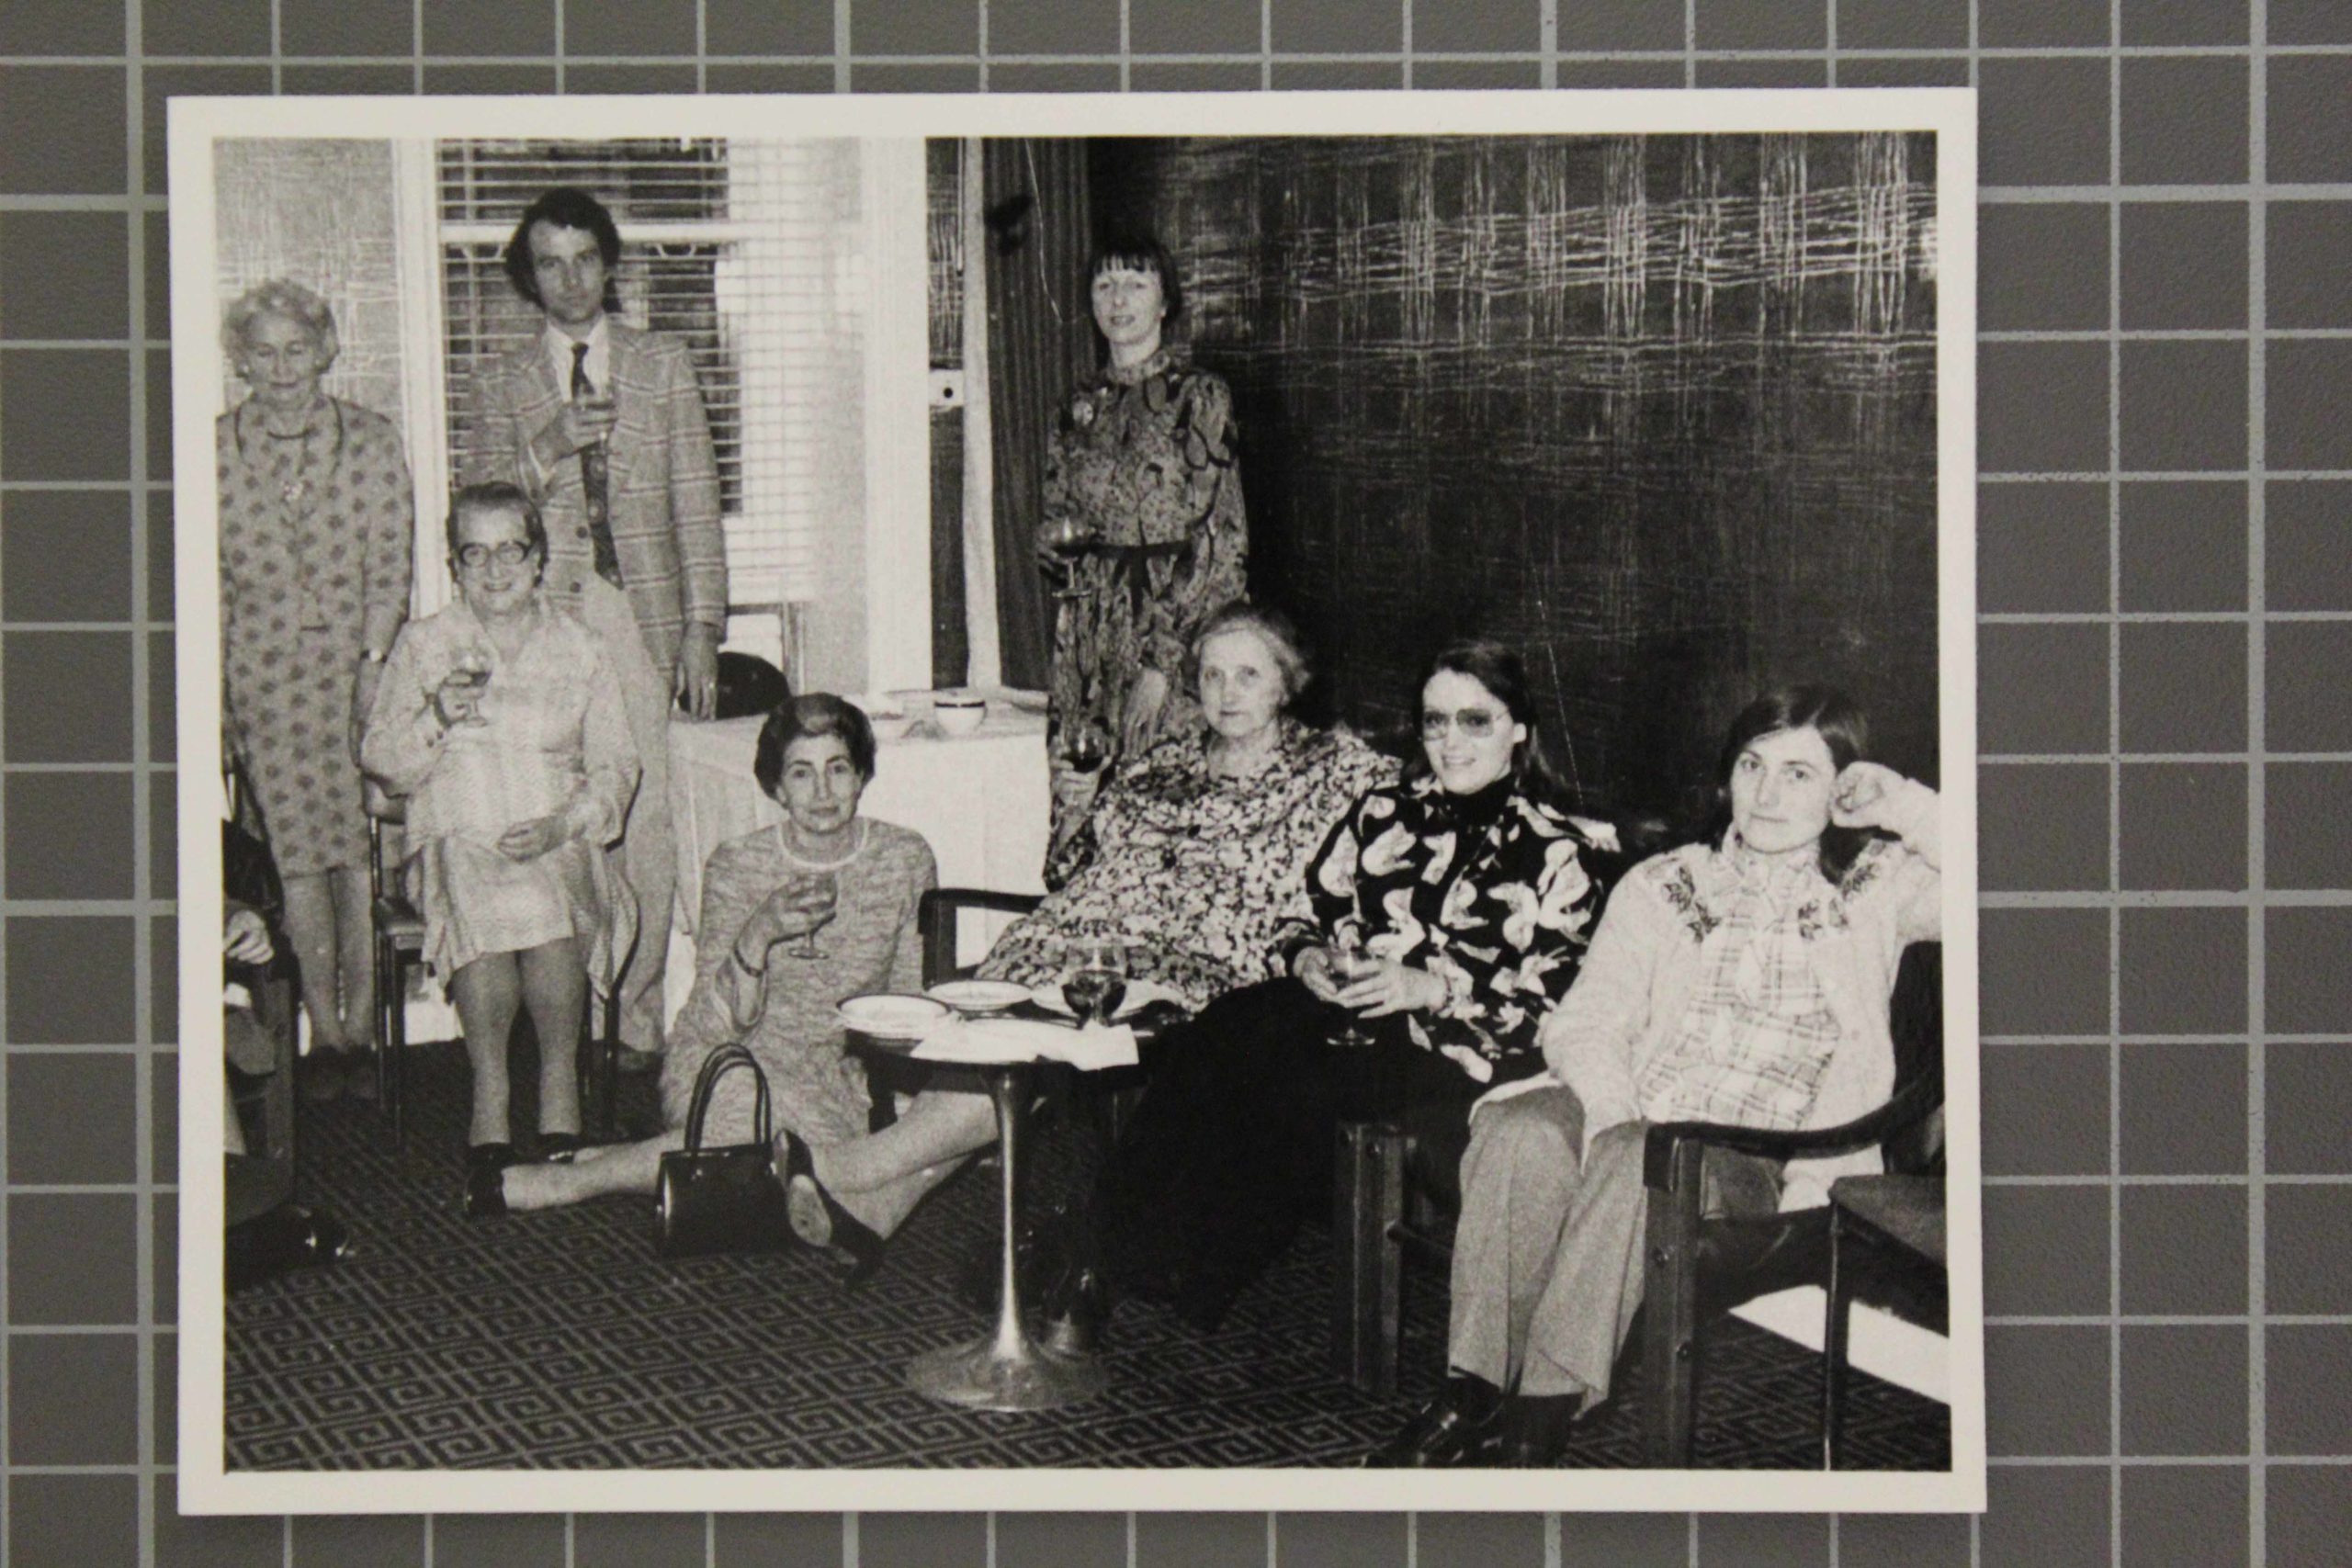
[1171,801]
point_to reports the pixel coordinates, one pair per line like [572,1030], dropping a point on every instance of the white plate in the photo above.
[978,996]
[1141,993]
[889,1015]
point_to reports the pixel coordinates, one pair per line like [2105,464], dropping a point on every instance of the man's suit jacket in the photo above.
[662,488]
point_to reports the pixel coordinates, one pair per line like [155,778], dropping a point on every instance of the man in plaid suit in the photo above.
[604,425]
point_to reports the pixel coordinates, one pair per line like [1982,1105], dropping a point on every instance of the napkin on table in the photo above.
[981,1040]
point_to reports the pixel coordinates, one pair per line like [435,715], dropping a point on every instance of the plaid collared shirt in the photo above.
[1758,1032]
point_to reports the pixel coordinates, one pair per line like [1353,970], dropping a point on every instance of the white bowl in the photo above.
[960,715]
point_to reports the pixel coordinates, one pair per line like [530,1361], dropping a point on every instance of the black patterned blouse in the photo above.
[1493,893]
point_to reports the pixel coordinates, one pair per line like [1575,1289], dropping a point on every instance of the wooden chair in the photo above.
[399,941]
[1695,1268]
[1385,1207]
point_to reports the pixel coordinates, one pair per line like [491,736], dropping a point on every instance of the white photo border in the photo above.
[196,124]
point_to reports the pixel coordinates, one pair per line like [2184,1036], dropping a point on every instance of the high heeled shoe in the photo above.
[1078,1311]
[845,1236]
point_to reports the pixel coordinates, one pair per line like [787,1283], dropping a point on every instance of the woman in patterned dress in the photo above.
[1142,459]
[501,721]
[1193,855]
[1741,980]
[1472,892]
[779,948]
[315,551]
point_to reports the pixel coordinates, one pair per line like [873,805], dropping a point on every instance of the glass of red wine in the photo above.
[1095,977]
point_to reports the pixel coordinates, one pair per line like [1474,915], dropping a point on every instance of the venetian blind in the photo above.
[746,250]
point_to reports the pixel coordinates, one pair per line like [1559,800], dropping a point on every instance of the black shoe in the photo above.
[320,1076]
[1456,1428]
[486,1179]
[1078,1311]
[557,1148]
[629,1059]
[1534,1429]
[848,1238]
[359,1074]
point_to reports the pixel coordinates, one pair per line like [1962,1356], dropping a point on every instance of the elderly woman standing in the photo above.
[315,547]
[500,719]
[1143,507]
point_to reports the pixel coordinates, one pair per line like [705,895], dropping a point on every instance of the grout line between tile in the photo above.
[2257,744]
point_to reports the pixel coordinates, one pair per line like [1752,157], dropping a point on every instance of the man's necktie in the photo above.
[593,477]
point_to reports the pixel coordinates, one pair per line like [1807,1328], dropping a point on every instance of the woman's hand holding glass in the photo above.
[458,699]
[1061,542]
[794,911]
[1375,987]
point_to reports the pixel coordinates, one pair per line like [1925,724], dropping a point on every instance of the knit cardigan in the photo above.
[1628,1000]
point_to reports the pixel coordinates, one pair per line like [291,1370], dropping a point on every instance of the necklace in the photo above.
[856,847]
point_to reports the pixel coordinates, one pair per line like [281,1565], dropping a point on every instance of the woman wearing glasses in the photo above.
[500,720]
[1450,913]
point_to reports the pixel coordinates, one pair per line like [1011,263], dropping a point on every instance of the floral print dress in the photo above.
[315,532]
[1200,872]
[1144,457]
[1495,897]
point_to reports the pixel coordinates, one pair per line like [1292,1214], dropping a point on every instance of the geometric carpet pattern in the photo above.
[558,1340]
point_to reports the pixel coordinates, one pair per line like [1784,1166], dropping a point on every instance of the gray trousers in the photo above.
[647,855]
[1548,1258]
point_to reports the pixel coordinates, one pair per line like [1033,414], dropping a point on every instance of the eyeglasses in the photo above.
[1476,723]
[513,552]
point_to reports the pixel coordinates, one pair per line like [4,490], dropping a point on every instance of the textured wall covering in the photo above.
[2165,474]
[1660,412]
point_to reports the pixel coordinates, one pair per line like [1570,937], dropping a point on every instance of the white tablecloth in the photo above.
[981,800]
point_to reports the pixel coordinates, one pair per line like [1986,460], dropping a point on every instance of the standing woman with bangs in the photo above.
[1143,528]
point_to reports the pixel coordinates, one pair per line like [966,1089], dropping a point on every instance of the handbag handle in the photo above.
[726,1056]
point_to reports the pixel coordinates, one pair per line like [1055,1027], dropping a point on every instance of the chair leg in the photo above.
[1368,1272]
[1835,1322]
[396,1064]
[1670,1299]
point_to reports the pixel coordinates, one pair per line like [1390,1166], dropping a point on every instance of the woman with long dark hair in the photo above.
[1447,912]
[1745,979]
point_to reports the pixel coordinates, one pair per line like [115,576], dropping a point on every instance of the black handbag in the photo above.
[727,1199]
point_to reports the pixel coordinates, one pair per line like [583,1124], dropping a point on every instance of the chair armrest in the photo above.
[938,917]
[1659,1164]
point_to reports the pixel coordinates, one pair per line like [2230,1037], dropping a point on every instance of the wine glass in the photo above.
[1094,979]
[1069,538]
[1086,747]
[1350,962]
[828,889]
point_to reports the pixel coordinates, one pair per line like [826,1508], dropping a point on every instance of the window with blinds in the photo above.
[747,252]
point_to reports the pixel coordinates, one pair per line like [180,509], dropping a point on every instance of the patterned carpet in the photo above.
[558,1340]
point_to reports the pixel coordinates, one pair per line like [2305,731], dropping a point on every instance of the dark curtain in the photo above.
[1040,342]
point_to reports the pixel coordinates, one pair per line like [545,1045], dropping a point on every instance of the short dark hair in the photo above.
[492,497]
[566,208]
[1843,728]
[1276,630]
[1138,251]
[1496,666]
[797,718]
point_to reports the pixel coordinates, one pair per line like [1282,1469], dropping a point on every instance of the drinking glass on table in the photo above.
[1350,962]
[1094,978]
[827,889]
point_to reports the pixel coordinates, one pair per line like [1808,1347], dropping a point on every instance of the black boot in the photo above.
[1455,1429]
